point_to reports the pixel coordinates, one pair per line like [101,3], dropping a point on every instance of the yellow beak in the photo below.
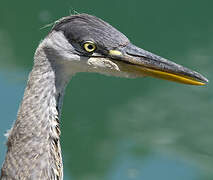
[144,63]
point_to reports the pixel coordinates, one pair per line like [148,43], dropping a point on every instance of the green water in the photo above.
[115,128]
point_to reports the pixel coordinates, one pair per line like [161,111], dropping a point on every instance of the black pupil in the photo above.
[90,46]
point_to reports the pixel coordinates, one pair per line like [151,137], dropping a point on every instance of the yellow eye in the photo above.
[89,46]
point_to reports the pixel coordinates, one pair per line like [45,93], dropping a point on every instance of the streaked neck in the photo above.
[33,142]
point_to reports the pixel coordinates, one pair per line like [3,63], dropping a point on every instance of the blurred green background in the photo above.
[115,128]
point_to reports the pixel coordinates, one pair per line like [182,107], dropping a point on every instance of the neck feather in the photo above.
[33,142]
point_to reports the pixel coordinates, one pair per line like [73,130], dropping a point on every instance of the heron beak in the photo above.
[144,63]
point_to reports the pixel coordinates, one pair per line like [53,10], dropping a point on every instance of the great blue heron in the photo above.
[77,43]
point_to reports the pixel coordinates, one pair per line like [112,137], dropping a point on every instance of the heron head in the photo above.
[88,44]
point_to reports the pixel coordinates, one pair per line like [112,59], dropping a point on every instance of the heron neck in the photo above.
[43,97]
[34,138]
